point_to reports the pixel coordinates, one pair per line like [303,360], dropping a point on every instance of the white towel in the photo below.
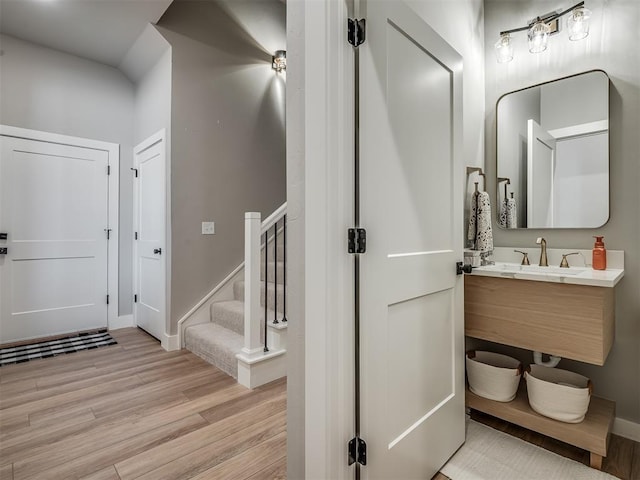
[511,214]
[480,223]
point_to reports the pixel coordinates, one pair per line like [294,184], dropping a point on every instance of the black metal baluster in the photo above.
[266,272]
[275,273]
[284,273]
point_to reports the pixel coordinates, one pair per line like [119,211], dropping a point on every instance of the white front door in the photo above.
[412,335]
[150,244]
[54,210]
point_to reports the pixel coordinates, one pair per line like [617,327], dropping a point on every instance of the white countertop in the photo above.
[576,274]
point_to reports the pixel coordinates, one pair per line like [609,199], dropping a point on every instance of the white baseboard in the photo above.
[625,428]
[123,321]
[170,342]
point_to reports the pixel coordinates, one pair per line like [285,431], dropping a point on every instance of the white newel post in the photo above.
[252,225]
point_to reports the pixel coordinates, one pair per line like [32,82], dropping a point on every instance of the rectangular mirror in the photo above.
[552,152]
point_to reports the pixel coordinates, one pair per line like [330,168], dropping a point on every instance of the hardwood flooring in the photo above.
[132,411]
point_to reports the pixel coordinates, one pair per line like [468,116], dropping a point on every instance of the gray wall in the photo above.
[153,100]
[228,138]
[47,90]
[611,46]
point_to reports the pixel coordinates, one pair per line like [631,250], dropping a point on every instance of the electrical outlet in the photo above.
[208,228]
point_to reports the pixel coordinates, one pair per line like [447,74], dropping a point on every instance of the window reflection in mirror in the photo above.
[553,154]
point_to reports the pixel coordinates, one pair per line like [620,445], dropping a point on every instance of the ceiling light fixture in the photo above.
[279,61]
[540,28]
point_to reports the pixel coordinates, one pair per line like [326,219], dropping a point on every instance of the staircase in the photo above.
[223,340]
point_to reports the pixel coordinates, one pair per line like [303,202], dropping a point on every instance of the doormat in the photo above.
[59,346]
[489,454]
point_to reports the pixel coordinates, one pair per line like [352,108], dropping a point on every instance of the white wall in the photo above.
[47,90]
[612,47]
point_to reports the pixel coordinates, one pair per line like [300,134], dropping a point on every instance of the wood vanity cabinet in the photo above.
[570,321]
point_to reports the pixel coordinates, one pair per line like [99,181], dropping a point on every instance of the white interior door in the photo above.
[541,149]
[150,236]
[54,210]
[412,340]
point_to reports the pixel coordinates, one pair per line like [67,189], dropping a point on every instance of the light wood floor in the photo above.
[623,460]
[133,410]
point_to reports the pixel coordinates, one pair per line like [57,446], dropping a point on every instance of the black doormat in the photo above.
[59,346]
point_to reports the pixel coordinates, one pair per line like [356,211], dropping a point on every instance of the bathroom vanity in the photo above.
[567,312]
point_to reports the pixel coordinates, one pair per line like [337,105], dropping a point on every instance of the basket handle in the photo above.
[590,386]
[471,354]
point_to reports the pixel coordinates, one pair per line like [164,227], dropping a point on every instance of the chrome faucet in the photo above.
[543,252]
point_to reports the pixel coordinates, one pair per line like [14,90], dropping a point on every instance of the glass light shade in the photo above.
[504,49]
[538,37]
[279,60]
[578,23]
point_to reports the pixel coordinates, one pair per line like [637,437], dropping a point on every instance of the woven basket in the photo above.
[558,394]
[492,375]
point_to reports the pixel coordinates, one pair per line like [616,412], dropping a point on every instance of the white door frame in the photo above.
[113,152]
[320,128]
[168,342]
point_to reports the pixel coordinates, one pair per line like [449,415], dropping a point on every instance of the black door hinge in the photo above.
[460,268]
[356,31]
[108,230]
[135,170]
[357,451]
[107,299]
[135,298]
[357,240]
[135,235]
[108,169]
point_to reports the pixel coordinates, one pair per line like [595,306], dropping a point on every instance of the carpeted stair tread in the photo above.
[238,292]
[230,314]
[271,271]
[216,345]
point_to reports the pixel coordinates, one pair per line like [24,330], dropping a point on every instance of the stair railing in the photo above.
[255,230]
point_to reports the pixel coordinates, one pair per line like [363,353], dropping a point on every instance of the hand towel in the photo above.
[511,214]
[502,216]
[480,223]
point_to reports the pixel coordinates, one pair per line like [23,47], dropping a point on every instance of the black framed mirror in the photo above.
[552,153]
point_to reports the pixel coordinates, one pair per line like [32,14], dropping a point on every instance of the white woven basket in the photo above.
[558,394]
[492,375]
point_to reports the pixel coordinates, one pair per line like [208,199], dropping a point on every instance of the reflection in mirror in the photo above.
[553,154]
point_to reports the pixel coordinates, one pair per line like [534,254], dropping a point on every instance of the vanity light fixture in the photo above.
[279,61]
[504,49]
[540,28]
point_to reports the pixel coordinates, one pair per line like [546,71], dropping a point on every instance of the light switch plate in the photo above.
[208,228]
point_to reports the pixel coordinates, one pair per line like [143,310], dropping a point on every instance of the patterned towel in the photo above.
[502,216]
[511,214]
[480,232]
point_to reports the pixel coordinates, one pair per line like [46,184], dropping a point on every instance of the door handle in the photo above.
[157,251]
[3,236]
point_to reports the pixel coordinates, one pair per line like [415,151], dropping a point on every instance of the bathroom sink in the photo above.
[572,275]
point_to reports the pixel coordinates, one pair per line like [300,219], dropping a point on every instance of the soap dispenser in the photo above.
[599,260]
